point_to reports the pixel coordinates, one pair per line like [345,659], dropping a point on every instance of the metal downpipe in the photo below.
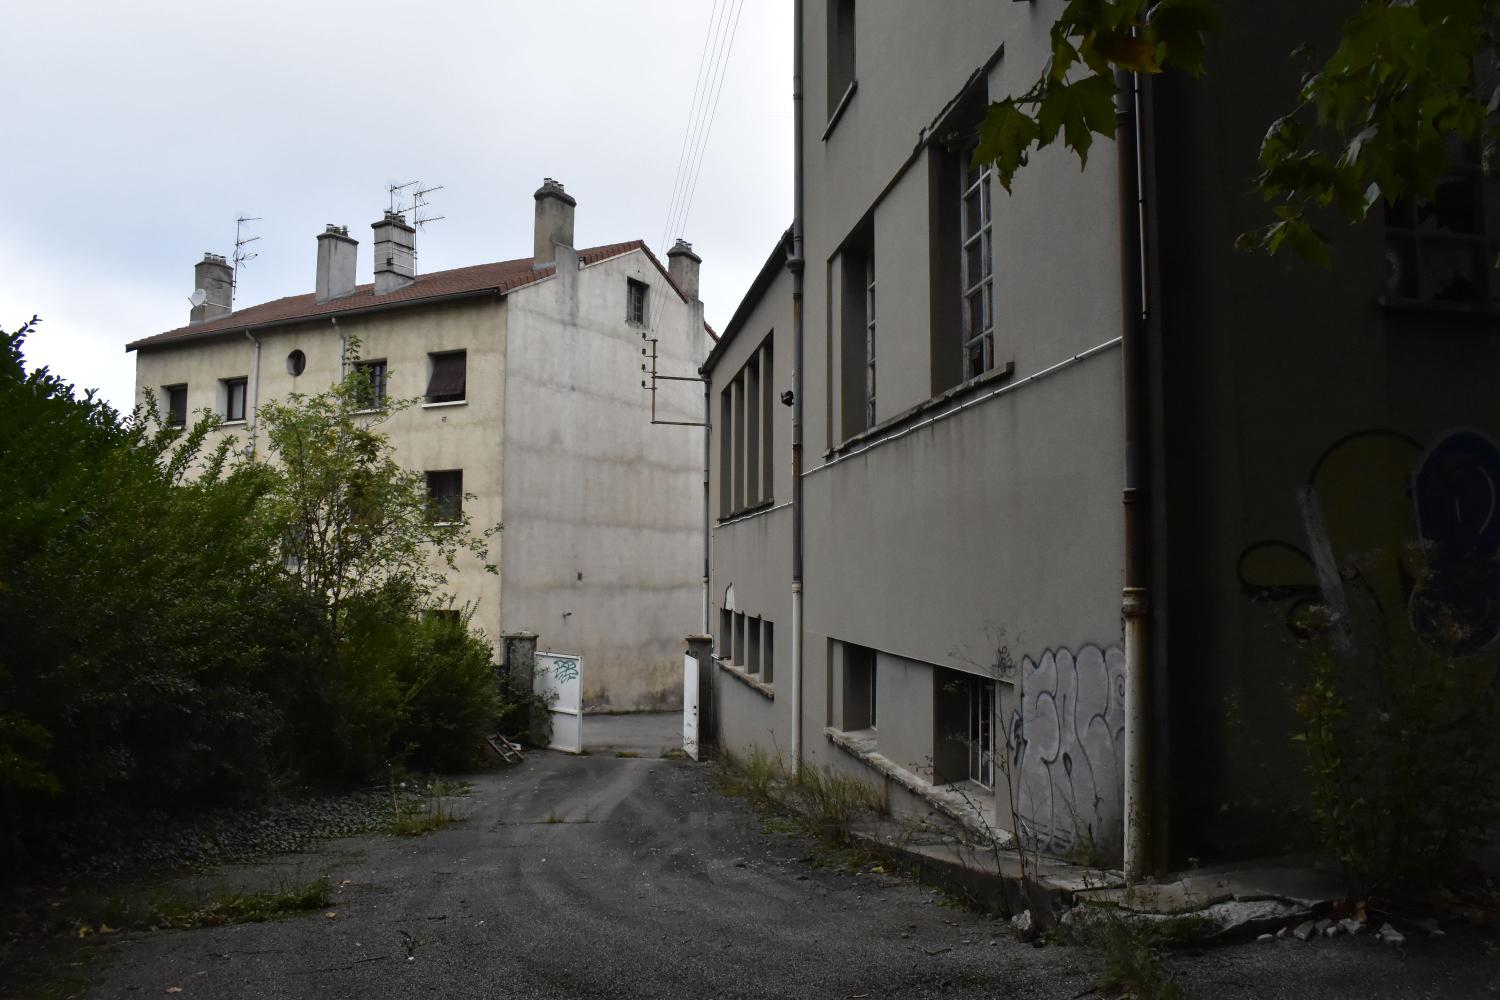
[795,265]
[1136,597]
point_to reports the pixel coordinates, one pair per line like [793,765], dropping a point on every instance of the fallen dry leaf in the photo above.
[174,989]
[331,914]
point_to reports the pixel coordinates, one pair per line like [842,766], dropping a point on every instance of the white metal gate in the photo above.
[690,705]
[559,679]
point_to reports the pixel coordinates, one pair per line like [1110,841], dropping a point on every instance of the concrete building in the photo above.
[922,570]
[529,376]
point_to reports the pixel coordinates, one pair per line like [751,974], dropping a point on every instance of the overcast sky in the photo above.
[137,132]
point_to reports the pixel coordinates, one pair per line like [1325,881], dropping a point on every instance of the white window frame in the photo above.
[978,282]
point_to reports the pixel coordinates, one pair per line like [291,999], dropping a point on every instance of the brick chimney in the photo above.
[395,253]
[683,264]
[554,222]
[215,279]
[336,254]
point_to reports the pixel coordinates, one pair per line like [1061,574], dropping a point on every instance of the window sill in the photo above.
[447,524]
[369,412]
[892,424]
[446,402]
[756,508]
[239,422]
[1472,310]
[838,111]
[751,681]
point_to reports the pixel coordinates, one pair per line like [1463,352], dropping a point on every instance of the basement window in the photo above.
[445,494]
[176,396]
[859,688]
[447,377]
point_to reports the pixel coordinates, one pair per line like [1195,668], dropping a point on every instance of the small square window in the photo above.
[445,491]
[447,382]
[234,398]
[176,405]
[635,301]
[372,393]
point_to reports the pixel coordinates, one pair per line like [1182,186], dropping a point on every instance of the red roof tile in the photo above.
[498,278]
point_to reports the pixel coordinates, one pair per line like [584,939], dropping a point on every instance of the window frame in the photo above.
[1421,233]
[982,692]
[181,415]
[242,384]
[434,360]
[637,302]
[439,503]
[978,289]
[379,388]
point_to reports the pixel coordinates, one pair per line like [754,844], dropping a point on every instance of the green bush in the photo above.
[165,649]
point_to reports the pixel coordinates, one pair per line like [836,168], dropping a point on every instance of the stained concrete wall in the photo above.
[752,555]
[463,435]
[985,541]
[604,545]
[1290,397]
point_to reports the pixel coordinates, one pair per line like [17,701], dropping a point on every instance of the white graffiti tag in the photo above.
[1066,745]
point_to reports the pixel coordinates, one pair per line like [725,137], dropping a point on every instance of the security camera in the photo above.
[788,397]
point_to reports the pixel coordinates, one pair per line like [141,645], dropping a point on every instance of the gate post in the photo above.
[517,679]
[701,648]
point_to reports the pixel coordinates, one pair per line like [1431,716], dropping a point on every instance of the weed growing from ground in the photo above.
[819,801]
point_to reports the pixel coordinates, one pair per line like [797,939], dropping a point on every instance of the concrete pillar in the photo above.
[517,683]
[336,256]
[701,648]
[215,279]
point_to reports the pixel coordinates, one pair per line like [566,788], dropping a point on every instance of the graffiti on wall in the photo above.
[1066,745]
[1400,543]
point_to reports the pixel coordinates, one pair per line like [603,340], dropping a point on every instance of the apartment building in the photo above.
[528,376]
[1022,499]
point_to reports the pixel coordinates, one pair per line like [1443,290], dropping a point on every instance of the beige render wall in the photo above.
[463,436]
[604,550]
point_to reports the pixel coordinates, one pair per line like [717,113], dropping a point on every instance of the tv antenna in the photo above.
[418,202]
[241,255]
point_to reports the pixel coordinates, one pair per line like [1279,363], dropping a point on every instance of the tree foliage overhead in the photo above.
[1371,123]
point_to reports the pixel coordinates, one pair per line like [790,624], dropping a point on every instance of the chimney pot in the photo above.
[682,265]
[395,253]
[214,277]
[554,222]
[337,254]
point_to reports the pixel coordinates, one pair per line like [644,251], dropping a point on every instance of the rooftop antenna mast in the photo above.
[241,255]
[419,201]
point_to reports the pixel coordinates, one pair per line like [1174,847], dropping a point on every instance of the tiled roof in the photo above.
[499,278]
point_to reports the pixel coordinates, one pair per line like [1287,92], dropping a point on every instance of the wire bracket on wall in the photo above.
[653,376]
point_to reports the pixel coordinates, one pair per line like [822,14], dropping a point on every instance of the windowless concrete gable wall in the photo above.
[604,532]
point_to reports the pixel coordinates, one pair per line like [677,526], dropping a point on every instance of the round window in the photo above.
[295,363]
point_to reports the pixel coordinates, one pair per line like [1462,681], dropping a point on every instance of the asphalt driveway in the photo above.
[620,878]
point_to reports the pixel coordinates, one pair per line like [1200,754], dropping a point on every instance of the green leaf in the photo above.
[1005,135]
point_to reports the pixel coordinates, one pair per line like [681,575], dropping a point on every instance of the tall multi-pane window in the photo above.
[870,338]
[1442,249]
[746,434]
[978,268]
